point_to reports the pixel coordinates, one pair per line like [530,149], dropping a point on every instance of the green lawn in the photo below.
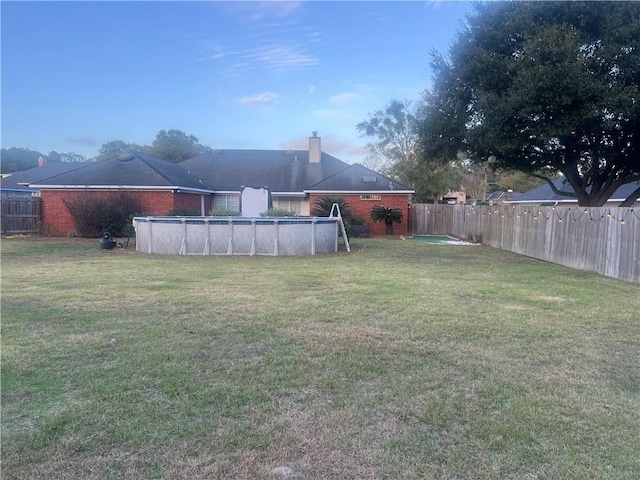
[403,360]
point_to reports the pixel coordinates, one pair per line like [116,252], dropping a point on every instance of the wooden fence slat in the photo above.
[21,215]
[605,240]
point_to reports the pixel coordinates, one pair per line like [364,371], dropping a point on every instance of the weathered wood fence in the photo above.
[21,215]
[604,240]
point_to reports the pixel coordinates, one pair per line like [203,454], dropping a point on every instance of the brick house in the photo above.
[157,185]
[295,179]
[362,189]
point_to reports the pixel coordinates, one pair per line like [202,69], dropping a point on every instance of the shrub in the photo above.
[224,212]
[95,215]
[278,212]
[358,230]
[183,212]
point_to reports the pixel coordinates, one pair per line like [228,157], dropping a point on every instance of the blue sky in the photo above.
[234,74]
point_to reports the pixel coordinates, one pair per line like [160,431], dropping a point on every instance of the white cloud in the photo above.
[344,97]
[235,69]
[270,36]
[256,12]
[274,57]
[278,9]
[278,57]
[260,99]
[313,36]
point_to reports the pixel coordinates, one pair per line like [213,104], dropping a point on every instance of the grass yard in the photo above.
[403,361]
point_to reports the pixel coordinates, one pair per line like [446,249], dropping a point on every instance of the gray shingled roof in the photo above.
[284,171]
[504,195]
[356,178]
[21,179]
[544,194]
[278,170]
[127,171]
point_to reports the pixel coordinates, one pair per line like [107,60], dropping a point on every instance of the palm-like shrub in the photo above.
[389,216]
[323,205]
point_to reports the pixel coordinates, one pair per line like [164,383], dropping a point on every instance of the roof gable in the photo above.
[357,178]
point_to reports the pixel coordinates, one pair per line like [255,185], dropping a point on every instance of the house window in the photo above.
[370,197]
[226,202]
[291,204]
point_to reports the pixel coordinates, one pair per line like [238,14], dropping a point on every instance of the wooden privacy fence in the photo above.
[604,239]
[21,215]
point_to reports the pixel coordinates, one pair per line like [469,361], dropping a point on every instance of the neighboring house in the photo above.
[21,205]
[157,185]
[297,178]
[16,184]
[544,195]
[502,196]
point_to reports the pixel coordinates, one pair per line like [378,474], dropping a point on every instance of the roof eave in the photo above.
[362,192]
[541,201]
[121,187]
[290,194]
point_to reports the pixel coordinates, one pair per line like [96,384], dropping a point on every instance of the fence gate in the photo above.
[21,215]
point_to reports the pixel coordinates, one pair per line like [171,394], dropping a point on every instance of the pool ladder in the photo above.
[336,208]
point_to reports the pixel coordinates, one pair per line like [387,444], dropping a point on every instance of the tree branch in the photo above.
[631,199]
[553,187]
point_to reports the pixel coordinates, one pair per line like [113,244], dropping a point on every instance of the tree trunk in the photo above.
[388,228]
[631,199]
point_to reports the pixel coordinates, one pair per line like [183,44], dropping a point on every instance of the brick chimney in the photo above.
[315,151]
[42,161]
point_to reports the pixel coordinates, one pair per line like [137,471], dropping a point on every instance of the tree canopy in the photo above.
[15,159]
[171,145]
[545,87]
[65,157]
[393,134]
[176,146]
[114,148]
[393,131]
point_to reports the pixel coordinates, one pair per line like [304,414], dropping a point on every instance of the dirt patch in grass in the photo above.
[347,333]
[550,298]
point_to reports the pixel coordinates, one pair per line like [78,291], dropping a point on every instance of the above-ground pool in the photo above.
[237,235]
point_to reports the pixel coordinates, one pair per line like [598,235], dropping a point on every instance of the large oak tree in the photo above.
[545,87]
